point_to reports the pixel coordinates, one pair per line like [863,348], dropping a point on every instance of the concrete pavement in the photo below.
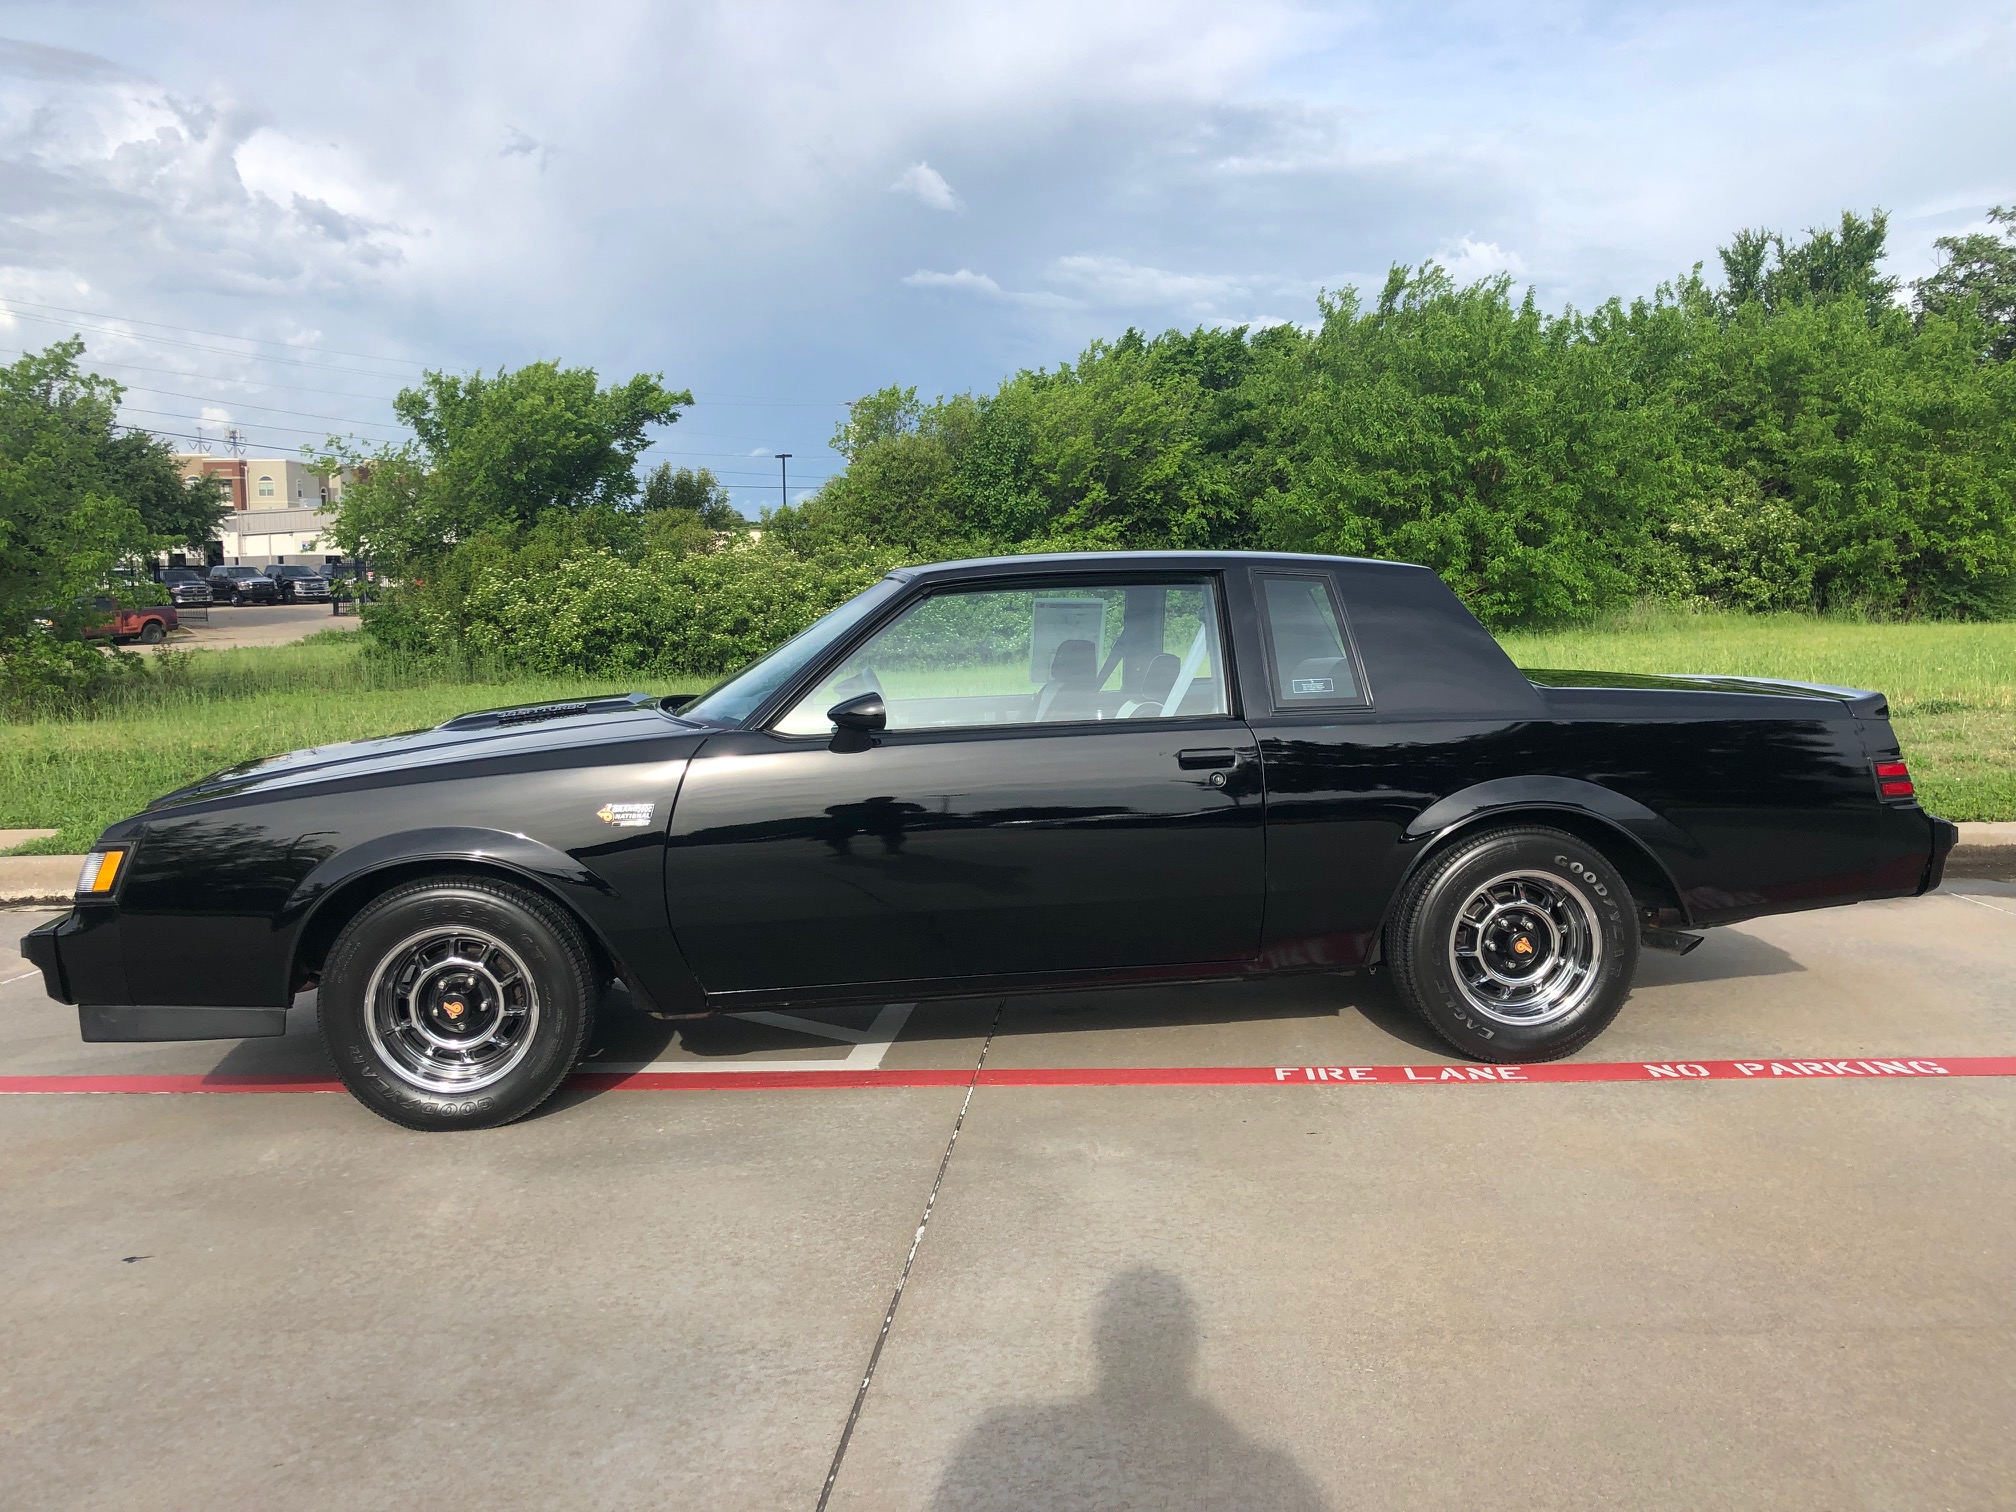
[258,625]
[1772,1294]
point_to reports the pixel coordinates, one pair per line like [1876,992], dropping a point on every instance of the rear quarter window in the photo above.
[1311,662]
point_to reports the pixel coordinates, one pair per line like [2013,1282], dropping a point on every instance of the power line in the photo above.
[289,388]
[196,331]
[330,367]
[299,430]
[196,346]
[302,430]
[271,409]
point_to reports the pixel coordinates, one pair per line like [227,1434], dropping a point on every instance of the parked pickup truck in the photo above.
[300,585]
[242,585]
[998,776]
[149,624]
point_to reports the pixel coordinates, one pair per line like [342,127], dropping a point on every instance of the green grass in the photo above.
[1952,687]
[78,775]
[1952,692]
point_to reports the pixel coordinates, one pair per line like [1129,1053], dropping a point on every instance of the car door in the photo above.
[1063,786]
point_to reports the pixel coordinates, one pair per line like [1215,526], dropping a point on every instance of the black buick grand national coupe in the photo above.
[994,776]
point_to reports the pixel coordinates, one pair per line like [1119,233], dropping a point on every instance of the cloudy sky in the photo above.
[783,206]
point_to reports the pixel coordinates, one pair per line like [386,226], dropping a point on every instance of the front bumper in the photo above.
[39,947]
[71,940]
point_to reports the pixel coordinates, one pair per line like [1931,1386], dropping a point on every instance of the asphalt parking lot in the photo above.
[231,625]
[1781,1289]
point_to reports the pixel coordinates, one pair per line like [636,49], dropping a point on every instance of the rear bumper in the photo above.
[1945,834]
[100,1023]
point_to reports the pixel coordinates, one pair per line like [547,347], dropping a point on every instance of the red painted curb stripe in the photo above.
[1120,1076]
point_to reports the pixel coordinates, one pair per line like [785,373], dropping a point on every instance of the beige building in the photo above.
[280,508]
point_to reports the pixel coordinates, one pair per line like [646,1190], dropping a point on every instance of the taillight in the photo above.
[1893,779]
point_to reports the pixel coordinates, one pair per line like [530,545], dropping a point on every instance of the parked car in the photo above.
[186,585]
[149,624]
[997,776]
[243,585]
[300,584]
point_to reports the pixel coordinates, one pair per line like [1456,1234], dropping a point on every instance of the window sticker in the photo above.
[1313,685]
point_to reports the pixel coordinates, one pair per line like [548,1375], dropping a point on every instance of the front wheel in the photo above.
[456,1002]
[1516,945]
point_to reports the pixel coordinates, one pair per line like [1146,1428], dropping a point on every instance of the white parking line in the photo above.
[1965,898]
[869,1046]
[18,977]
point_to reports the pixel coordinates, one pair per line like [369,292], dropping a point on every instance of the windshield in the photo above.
[739,697]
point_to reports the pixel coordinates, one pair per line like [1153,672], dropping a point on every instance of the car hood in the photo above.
[484,736]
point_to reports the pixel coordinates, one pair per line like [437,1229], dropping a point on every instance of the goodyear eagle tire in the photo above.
[1516,945]
[456,1002]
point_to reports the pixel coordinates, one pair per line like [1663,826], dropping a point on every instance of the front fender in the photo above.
[629,925]
[531,858]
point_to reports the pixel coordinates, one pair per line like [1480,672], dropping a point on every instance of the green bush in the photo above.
[556,607]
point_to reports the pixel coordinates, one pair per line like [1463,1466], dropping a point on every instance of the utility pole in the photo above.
[784,478]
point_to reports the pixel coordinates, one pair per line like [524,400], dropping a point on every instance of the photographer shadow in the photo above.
[1143,1438]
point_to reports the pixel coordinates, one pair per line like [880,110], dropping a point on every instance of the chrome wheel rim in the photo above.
[451,1010]
[1526,948]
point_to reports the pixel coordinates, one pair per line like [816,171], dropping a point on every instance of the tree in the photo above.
[1762,267]
[691,490]
[494,454]
[77,498]
[1977,272]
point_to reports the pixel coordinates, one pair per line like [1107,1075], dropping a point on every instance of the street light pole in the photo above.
[784,479]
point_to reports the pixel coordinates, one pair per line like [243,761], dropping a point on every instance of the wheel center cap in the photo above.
[1516,945]
[457,1006]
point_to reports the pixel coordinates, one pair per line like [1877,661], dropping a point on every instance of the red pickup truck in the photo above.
[149,624]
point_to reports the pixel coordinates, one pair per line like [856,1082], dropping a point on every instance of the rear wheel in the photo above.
[153,633]
[456,1002]
[1516,945]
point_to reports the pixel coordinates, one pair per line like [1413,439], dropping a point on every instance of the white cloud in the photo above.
[521,143]
[928,184]
[1115,283]
[1469,261]
[965,280]
[726,211]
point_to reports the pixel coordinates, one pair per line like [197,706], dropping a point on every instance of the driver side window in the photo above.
[1063,654]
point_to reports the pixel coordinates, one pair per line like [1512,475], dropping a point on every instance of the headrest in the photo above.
[1074,661]
[1160,677]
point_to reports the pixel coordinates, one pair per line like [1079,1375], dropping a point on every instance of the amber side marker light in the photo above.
[1893,779]
[100,873]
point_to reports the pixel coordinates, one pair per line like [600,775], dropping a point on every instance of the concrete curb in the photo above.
[28,881]
[1985,852]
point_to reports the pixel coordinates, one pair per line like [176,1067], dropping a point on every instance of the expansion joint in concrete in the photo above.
[903,1276]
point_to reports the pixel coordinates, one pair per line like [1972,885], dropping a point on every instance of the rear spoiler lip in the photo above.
[1866,702]
[1862,703]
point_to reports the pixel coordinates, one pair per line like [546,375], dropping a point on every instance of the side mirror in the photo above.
[863,715]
